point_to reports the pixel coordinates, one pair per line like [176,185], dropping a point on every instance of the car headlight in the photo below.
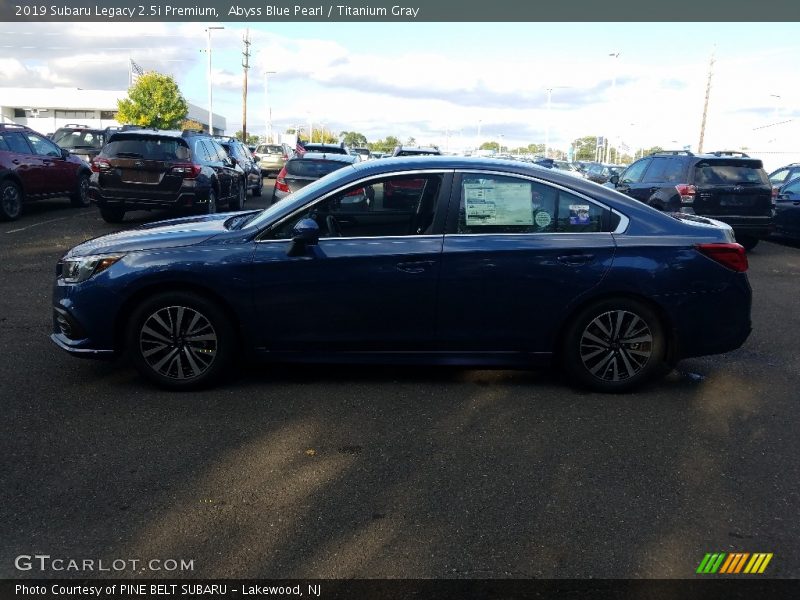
[76,270]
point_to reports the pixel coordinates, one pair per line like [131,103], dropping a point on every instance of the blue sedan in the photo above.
[468,261]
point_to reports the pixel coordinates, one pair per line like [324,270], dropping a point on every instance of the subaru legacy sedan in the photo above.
[486,263]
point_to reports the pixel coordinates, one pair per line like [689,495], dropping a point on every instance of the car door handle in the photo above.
[15,161]
[575,260]
[415,267]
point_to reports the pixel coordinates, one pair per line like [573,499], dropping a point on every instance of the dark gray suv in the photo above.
[146,169]
[728,186]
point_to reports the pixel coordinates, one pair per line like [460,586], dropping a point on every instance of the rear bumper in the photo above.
[744,225]
[180,200]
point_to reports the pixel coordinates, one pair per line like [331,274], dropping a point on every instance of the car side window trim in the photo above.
[443,192]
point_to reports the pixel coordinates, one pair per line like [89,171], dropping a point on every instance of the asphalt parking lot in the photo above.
[340,472]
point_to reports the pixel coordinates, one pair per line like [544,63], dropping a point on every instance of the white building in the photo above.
[46,109]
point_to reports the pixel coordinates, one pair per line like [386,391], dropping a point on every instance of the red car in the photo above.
[32,167]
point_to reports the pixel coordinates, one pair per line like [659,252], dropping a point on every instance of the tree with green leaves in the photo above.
[490,146]
[153,101]
[353,139]
[252,140]
[385,145]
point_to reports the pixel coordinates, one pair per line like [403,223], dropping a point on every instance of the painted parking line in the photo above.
[37,224]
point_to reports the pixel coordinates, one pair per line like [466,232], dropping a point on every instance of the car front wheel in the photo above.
[181,340]
[10,201]
[112,214]
[614,345]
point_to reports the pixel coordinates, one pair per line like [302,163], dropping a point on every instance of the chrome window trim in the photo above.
[344,187]
[621,227]
[367,237]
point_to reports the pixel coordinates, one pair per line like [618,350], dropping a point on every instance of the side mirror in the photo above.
[304,234]
[614,179]
[64,153]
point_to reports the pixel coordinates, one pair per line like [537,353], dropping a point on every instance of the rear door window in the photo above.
[665,170]
[500,204]
[14,142]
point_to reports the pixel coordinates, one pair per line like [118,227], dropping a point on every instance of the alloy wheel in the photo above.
[616,345]
[178,342]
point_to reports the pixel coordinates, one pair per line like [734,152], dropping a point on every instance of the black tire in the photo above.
[210,206]
[11,199]
[80,197]
[112,214]
[237,200]
[602,360]
[163,349]
[748,242]
[259,187]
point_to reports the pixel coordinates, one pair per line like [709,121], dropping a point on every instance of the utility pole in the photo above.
[705,105]
[245,67]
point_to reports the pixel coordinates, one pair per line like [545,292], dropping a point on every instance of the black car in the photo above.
[241,154]
[727,186]
[299,171]
[416,151]
[146,169]
[81,140]
[32,167]
[787,213]
[326,148]
[600,173]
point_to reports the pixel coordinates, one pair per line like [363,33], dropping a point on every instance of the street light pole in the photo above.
[268,107]
[208,75]
[613,99]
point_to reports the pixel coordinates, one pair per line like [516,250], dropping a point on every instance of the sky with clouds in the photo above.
[440,82]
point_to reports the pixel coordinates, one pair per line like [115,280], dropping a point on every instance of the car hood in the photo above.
[162,234]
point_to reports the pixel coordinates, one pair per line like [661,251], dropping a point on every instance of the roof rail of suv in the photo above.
[684,152]
[192,131]
[13,125]
[79,126]
[730,153]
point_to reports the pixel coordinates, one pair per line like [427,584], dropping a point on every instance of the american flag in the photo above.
[299,148]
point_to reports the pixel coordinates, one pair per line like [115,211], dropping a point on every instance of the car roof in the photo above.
[345,158]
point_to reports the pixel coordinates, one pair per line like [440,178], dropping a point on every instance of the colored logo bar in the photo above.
[734,563]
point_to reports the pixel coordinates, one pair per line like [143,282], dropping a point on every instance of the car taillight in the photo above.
[285,157]
[100,164]
[355,192]
[686,192]
[188,170]
[280,182]
[728,255]
[774,196]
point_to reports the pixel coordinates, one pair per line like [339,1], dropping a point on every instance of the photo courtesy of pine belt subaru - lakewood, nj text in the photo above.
[466,261]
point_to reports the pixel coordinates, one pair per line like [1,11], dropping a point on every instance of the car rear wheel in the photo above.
[112,214]
[80,197]
[748,242]
[210,206]
[614,345]
[10,201]
[181,340]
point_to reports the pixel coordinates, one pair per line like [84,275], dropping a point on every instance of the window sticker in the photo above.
[543,218]
[578,214]
[497,203]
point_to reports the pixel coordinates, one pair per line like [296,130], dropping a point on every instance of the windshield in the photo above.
[79,139]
